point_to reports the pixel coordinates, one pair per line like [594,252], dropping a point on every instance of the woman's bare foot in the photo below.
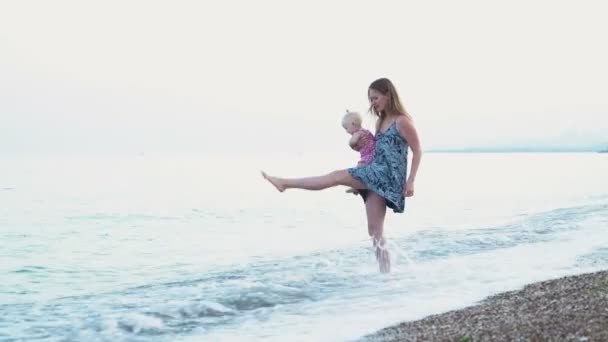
[274,181]
[384,260]
[382,256]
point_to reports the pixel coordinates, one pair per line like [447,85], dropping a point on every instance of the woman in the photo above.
[384,182]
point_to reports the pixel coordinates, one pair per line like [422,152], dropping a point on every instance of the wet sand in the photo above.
[573,308]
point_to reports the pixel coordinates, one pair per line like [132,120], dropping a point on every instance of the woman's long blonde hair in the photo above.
[394,106]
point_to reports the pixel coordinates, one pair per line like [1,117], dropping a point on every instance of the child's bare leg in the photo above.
[339,177]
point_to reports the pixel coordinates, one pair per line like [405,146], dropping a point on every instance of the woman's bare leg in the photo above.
[375,207]
[339,177]
[353,190]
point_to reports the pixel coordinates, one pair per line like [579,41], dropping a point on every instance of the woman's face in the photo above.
[377,100]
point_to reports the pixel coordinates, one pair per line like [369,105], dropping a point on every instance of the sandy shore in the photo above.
[571,308]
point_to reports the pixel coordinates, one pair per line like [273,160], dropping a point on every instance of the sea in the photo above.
[201,248]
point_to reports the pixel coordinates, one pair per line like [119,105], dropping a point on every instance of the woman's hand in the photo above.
[409,189]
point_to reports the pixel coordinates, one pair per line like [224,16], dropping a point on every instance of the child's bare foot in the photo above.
[274,181]
[352,191]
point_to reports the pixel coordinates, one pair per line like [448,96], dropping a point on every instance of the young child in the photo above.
[362,140]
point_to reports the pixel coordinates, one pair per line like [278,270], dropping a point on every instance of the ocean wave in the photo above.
[231,295]
[117,217]
[539,227]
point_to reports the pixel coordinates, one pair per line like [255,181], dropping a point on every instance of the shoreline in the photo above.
[571,308]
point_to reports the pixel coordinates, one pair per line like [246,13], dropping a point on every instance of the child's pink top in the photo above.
[368,146]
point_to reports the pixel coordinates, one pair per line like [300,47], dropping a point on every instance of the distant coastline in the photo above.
[514,150]
[590,148]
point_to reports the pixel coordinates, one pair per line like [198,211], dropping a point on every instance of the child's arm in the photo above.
[354,141]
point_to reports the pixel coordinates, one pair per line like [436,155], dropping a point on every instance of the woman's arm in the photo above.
[408,131]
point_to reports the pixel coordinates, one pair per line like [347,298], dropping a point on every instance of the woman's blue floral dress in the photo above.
[387,172]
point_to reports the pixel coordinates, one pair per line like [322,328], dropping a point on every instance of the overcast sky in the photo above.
[212,76]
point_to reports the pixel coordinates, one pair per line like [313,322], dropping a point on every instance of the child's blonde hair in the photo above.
[351,118]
